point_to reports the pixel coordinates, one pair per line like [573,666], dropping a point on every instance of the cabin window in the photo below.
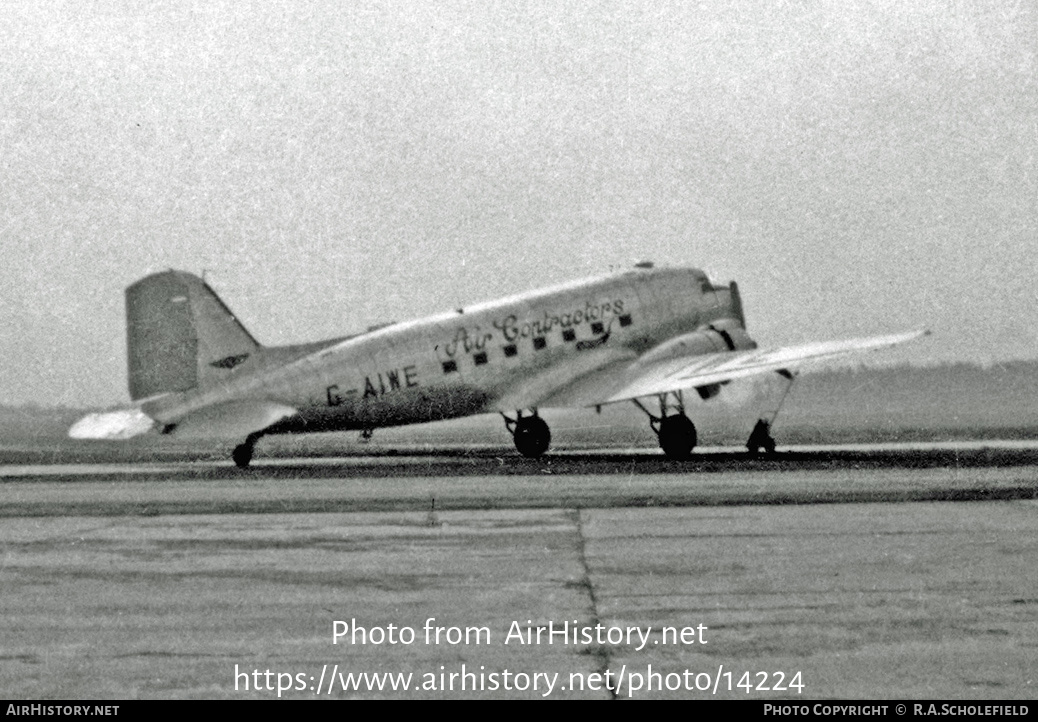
[539,342]
[625,320]
[569,334]
[510,350]
[480,358]
[450,367]
[597,327]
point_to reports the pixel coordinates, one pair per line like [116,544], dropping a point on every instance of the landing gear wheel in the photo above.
[760,438]
[532,436]
[677,437]
[242,455]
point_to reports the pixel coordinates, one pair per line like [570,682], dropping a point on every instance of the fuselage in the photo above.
[494,356]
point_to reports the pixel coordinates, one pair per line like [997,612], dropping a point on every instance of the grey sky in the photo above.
[858,167]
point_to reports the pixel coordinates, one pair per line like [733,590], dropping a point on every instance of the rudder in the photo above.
[180,335]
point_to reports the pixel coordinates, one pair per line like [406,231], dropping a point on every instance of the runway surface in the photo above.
[497,478]
[191,578]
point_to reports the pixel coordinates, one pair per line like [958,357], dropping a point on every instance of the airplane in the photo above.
[643,333]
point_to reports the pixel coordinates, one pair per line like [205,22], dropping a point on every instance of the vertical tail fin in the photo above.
[180,335]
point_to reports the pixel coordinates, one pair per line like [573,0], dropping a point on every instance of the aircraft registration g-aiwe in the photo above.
[647,333]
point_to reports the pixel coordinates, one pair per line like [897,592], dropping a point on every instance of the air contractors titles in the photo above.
[512,328]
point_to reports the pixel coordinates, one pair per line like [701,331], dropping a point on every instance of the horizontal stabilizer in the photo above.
[121,424]
[233,419]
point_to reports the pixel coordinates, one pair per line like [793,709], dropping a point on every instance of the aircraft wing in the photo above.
[609,375]
[702,370]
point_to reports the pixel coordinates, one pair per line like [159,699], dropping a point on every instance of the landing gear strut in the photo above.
[676,432]
[531,434]
[242,453]
[760,438]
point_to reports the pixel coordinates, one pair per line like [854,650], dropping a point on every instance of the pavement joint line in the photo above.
[602,652]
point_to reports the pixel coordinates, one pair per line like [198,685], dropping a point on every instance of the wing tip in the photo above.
[912,335]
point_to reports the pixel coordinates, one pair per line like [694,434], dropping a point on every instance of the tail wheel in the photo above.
[532,436]
[242,455]
[677,437]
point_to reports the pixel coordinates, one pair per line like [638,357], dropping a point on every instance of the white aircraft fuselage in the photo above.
[489,357]
[195,371]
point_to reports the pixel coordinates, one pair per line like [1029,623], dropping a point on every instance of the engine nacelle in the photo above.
[709,391]
[721,336]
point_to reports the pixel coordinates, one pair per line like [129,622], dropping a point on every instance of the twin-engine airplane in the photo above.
[195,371]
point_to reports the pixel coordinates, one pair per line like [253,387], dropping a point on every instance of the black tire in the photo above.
[242,455]
[677,437]
[760,438]
[532,436]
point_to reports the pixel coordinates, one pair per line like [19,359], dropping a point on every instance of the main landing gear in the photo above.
[676,432]
[531,434]
[242,453]
[760,439]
